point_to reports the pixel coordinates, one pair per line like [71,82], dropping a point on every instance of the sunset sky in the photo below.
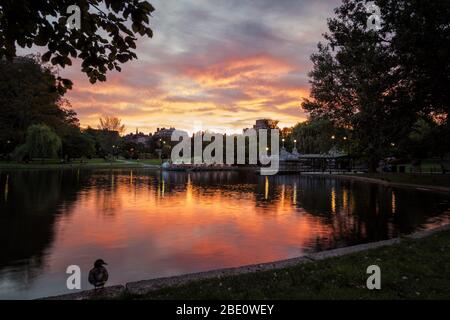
[212,64]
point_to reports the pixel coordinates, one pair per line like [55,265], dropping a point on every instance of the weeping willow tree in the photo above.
[42,142]
[320,136]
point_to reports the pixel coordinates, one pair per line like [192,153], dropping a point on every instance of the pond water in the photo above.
[148,224]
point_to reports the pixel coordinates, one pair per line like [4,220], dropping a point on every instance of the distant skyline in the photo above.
[212,64]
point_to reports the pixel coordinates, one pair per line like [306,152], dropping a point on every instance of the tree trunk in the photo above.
[373,164]
[443,168]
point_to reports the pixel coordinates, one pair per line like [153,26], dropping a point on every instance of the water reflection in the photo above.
[150,224]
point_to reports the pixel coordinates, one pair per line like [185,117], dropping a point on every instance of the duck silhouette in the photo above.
[98,275]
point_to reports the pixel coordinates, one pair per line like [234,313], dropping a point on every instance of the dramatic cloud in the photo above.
[212,64]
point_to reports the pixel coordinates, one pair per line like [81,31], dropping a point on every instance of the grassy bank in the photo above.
[152,162]
[413,269]
[428,165]
[439,180]
[87,164]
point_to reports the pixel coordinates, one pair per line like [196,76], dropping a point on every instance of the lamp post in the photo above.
[283,142]
[164,144]
[295,144]
[333,143]
[8,156]
[347,150]
[346,144]
[161,146]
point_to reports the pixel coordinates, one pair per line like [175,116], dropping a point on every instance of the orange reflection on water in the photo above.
[393,202]
[148,224]
[333,200]
[345,206]
[189,227]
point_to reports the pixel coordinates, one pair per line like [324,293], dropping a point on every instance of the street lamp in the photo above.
[295,144]
[283,142]
[333,137]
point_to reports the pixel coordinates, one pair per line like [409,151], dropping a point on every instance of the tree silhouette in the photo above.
[370,81]
[42,142]
[103,41]
[111,124]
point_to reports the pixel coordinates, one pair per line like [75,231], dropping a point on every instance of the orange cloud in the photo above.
[231,72]
[227,95]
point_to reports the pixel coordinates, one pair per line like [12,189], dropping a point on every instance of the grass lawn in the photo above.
[76,163]
[428,165]
[58,161]
[441,180]
[414,269]
[149,161]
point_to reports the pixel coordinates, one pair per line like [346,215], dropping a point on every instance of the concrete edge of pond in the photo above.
[104,293]
[427,233]
[379,181]
[146,286]
[142,287]
[352,249]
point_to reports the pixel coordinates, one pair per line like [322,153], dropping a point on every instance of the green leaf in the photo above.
[122,58]
[46,56]
[41,38]
[148,7]
[136,27]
